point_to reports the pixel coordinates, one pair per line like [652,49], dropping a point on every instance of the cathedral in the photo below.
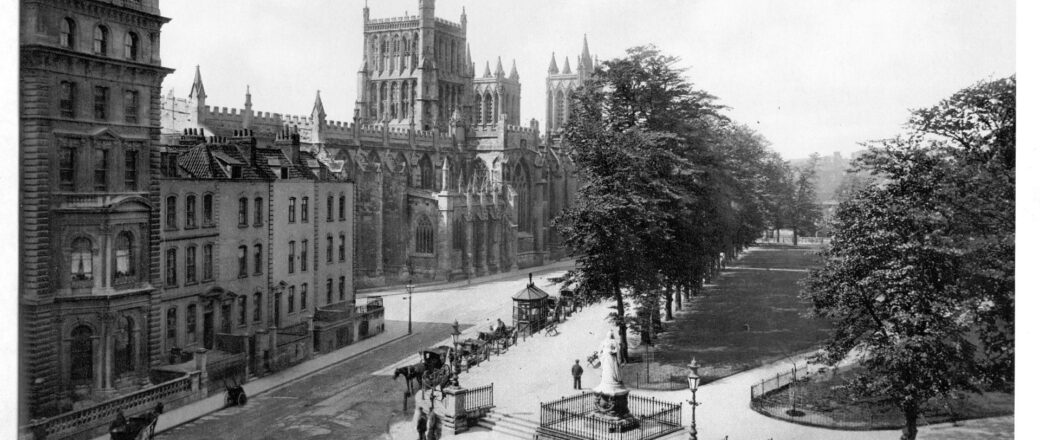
[449,184]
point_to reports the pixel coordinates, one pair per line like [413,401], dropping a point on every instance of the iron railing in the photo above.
[479,398]
[574,416]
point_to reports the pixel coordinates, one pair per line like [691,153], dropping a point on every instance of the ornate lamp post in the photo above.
[695,381]
[409,287]
[455,335]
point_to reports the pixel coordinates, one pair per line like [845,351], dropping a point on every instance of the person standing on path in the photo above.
[420,425]
[576,371]
[433,425]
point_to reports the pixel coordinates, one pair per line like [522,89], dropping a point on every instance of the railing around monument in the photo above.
[573,416]
[479,398]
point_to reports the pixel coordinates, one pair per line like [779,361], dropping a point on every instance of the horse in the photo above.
[438,379]
[411,372]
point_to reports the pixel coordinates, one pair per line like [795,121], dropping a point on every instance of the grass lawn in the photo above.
[825,402]
[748,317]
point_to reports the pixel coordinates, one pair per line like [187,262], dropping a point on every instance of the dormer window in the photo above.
[285,173]
[236,172]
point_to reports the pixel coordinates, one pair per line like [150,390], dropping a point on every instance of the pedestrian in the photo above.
[420,425]
[433,426]
[576,371]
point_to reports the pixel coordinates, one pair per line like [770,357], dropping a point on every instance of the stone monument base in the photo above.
[612,407]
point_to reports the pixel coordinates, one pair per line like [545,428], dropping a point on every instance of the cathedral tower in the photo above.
[560,84]
[415,70]
[497,96]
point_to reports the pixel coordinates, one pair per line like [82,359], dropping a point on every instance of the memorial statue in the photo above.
[610,364]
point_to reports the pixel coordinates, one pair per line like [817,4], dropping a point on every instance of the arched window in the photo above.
[257,301]
[328,291]
[424,236]
[258,258]
[328,248]
[342,247]
[207,209]
[100,40]
[190,264]
[521,184]
[124,255]
[124,347]
[82,254]
[189,211]
[486,103]
[292,257]
[329,207]
[68,33]
[342,207]
[303,255]
[258,211]
[480,174]
[425,172]
[558,120]
[171,267]
[243,262]
[81,355]
[243,212]
[171,212]
[130,45]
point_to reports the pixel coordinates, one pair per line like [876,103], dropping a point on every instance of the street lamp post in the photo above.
[695,381]
[455,333]
[409,287]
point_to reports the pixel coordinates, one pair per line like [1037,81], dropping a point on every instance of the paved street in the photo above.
[357,398]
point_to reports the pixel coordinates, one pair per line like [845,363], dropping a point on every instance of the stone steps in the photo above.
[508,425]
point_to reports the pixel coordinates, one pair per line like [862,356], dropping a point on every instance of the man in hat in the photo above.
[420,425]
[576,371]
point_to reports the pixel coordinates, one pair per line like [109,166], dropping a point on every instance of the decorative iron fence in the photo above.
[479,398]
[574,416]
[70,423]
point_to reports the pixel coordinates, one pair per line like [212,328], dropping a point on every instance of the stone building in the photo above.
[90,84]
[449,185]
[255,240]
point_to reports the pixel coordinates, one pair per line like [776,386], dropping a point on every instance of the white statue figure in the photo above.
[609,360]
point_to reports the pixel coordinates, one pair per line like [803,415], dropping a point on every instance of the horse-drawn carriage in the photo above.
[435,370]
[473,352]
[140,427]
[500,338]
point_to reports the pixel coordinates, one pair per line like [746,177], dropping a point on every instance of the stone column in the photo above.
[511,245]
[480,247]
[495,239]
[445,237]
[377,196]
[468,253]
[486,245]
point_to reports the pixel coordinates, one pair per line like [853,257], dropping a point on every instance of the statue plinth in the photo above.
[613,409]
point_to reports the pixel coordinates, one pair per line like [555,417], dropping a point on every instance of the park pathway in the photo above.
[537,370]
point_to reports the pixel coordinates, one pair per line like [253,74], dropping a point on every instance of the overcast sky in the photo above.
[811,76]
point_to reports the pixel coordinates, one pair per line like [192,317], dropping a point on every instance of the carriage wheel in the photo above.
[242,399]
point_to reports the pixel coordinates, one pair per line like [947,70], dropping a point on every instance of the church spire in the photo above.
[499,72]
[552,65]
[319,109]
[487,69]
[586,60]
[249,98]
[197,90]
[512,72]
[566,66]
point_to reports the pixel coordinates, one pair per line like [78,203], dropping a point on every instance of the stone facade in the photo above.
[255,239]
[449,185]
[90,83]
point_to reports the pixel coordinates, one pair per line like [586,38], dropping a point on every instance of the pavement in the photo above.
[195,410]
[538,370]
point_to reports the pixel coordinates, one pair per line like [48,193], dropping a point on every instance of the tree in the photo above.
[920,271]
[805,211]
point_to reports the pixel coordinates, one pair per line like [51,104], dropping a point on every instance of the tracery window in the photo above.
[425,173]
[424,236]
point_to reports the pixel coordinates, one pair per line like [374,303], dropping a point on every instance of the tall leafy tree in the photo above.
[920,272]
[805,211]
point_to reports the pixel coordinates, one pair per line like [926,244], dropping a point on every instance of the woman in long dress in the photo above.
[610,364]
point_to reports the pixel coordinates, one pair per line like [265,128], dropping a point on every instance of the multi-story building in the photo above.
[90,83]
[254,239]
[448,184]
